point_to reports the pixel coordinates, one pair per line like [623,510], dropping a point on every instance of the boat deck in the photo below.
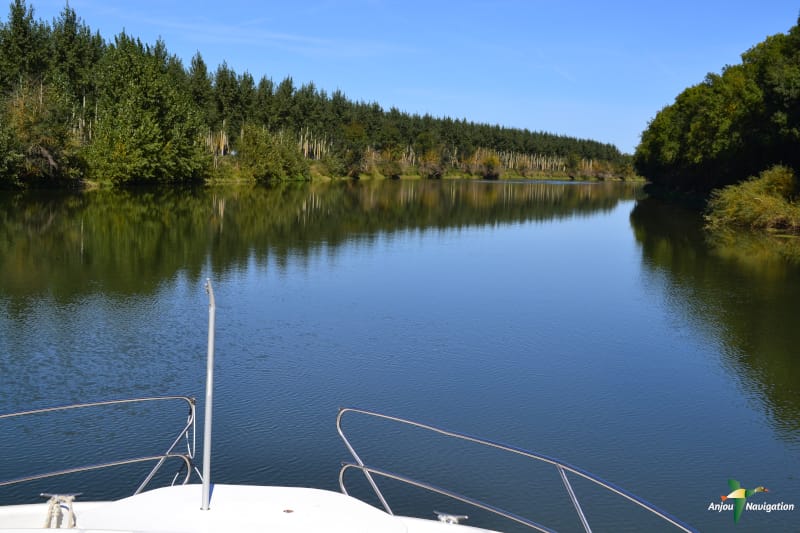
[232,508]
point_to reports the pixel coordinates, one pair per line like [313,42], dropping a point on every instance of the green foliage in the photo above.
[147,127]
[332,165]
[767,202]
[264,102]
[11,157]
[226,101]
[351,149]
[200,88]
[390,168]
[490,167]
[268,157]
[430,165]
[128,112]
[40,69]
[283,106]
[23,47]
[75,52]
[38,118]
[730,126]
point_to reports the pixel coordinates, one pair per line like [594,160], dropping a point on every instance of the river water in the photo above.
[581,321]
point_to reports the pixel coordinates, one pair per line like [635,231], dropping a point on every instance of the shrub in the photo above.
[11,158]
[390,168]
[490,167]
[268,157]
[765,202]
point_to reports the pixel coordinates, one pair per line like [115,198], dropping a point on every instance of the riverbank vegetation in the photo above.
[731,126]
[768,202]
[75,107]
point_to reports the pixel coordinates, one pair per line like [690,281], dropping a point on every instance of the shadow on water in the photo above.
[129,242]
[742,287]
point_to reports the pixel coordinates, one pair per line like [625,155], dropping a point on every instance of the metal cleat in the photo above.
[450,518]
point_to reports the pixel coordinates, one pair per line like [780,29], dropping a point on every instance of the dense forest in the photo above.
[730,127]
[75,107]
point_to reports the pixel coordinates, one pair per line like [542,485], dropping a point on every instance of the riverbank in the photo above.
[317,174]
[317,177]
[766,203]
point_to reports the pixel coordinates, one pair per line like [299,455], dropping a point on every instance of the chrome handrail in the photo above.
[561,466]
[188,433]
[367,470]
[100,466]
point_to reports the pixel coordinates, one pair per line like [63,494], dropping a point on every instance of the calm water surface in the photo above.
[583,321]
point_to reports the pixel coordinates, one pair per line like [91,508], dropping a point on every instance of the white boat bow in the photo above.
[176,509]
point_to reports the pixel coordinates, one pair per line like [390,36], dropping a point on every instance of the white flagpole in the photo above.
[209,399]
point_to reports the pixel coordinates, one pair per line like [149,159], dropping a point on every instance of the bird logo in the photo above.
[740,495]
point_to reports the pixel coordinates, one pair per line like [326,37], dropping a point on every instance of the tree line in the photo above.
[731,126]
[74,106]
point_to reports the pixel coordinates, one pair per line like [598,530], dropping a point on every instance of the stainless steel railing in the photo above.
[562,467]
[187,434]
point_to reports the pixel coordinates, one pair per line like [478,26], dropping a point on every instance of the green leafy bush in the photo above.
[268,157]
[765,202]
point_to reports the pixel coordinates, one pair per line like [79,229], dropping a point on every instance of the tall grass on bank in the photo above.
[768,202]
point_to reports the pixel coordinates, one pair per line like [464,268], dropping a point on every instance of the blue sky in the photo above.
[588,69]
